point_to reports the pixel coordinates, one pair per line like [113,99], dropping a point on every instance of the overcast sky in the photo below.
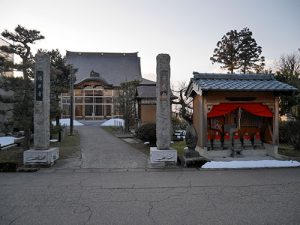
[188,30]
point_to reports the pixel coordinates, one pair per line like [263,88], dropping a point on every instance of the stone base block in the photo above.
[159,156]
[41,157]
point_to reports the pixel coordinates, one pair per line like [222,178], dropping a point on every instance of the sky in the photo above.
[187,30]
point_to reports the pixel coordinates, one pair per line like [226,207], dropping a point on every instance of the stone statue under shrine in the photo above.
[191,139]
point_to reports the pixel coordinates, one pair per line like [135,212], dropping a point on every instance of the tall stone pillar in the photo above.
[163,153]
[163,104]
[41,154]
[42,102]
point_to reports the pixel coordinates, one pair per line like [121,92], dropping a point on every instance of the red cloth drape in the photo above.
[222,109]
[257,109]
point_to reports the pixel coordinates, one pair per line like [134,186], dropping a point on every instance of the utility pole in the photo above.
[71,100]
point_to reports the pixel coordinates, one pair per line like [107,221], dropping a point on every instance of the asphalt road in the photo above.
[111,185]
[135,196]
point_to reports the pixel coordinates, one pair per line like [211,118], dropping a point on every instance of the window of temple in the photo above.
[89,103]
[78,92]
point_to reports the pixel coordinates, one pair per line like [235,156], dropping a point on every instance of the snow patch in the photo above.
[7,140]
[250,164]
[66,122]
[114,123]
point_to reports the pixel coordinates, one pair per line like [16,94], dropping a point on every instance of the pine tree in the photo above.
[249,53]
[227,52]
[22,87]
[239,50]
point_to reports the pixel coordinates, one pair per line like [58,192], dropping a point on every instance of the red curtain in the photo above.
[221,109]
[257,109]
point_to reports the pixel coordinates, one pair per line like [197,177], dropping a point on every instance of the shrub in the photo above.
[289,133]
[179,124]
[147,132]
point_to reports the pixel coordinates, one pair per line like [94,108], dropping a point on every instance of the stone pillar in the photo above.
[41,154]
[42,102]
[163,95]
[163,153]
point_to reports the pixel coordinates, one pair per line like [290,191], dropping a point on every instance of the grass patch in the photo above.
[288,150]
[113,130]
[141,147]
[179,146]
[12,155]
[69,147]
[12,158]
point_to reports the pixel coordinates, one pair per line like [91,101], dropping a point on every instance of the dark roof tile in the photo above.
[115,68]
[240,82]
[146,91]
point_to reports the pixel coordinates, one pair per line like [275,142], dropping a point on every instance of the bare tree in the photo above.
[290,65]
[185,107]
[289,72]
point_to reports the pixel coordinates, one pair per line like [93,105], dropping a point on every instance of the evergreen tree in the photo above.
[239,50]
[249,53]
[227,52]
[22,87]
[125,102]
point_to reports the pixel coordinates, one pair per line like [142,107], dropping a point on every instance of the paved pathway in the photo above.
[101,149]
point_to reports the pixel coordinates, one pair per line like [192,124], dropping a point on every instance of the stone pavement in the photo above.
[100,149]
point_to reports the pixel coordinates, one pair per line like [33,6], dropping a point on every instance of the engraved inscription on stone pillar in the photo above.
[164,87]
[39,86]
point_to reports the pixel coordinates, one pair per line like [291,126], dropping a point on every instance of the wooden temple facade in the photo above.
[98,77]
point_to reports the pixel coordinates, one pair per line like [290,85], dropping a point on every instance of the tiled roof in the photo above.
[115,68]
[146,91]
[238,82]
[147,82]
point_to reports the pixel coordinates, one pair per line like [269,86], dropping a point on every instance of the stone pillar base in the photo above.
[40,157]
[159,156]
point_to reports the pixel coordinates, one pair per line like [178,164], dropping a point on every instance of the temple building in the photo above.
[98,78]
[146,102]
